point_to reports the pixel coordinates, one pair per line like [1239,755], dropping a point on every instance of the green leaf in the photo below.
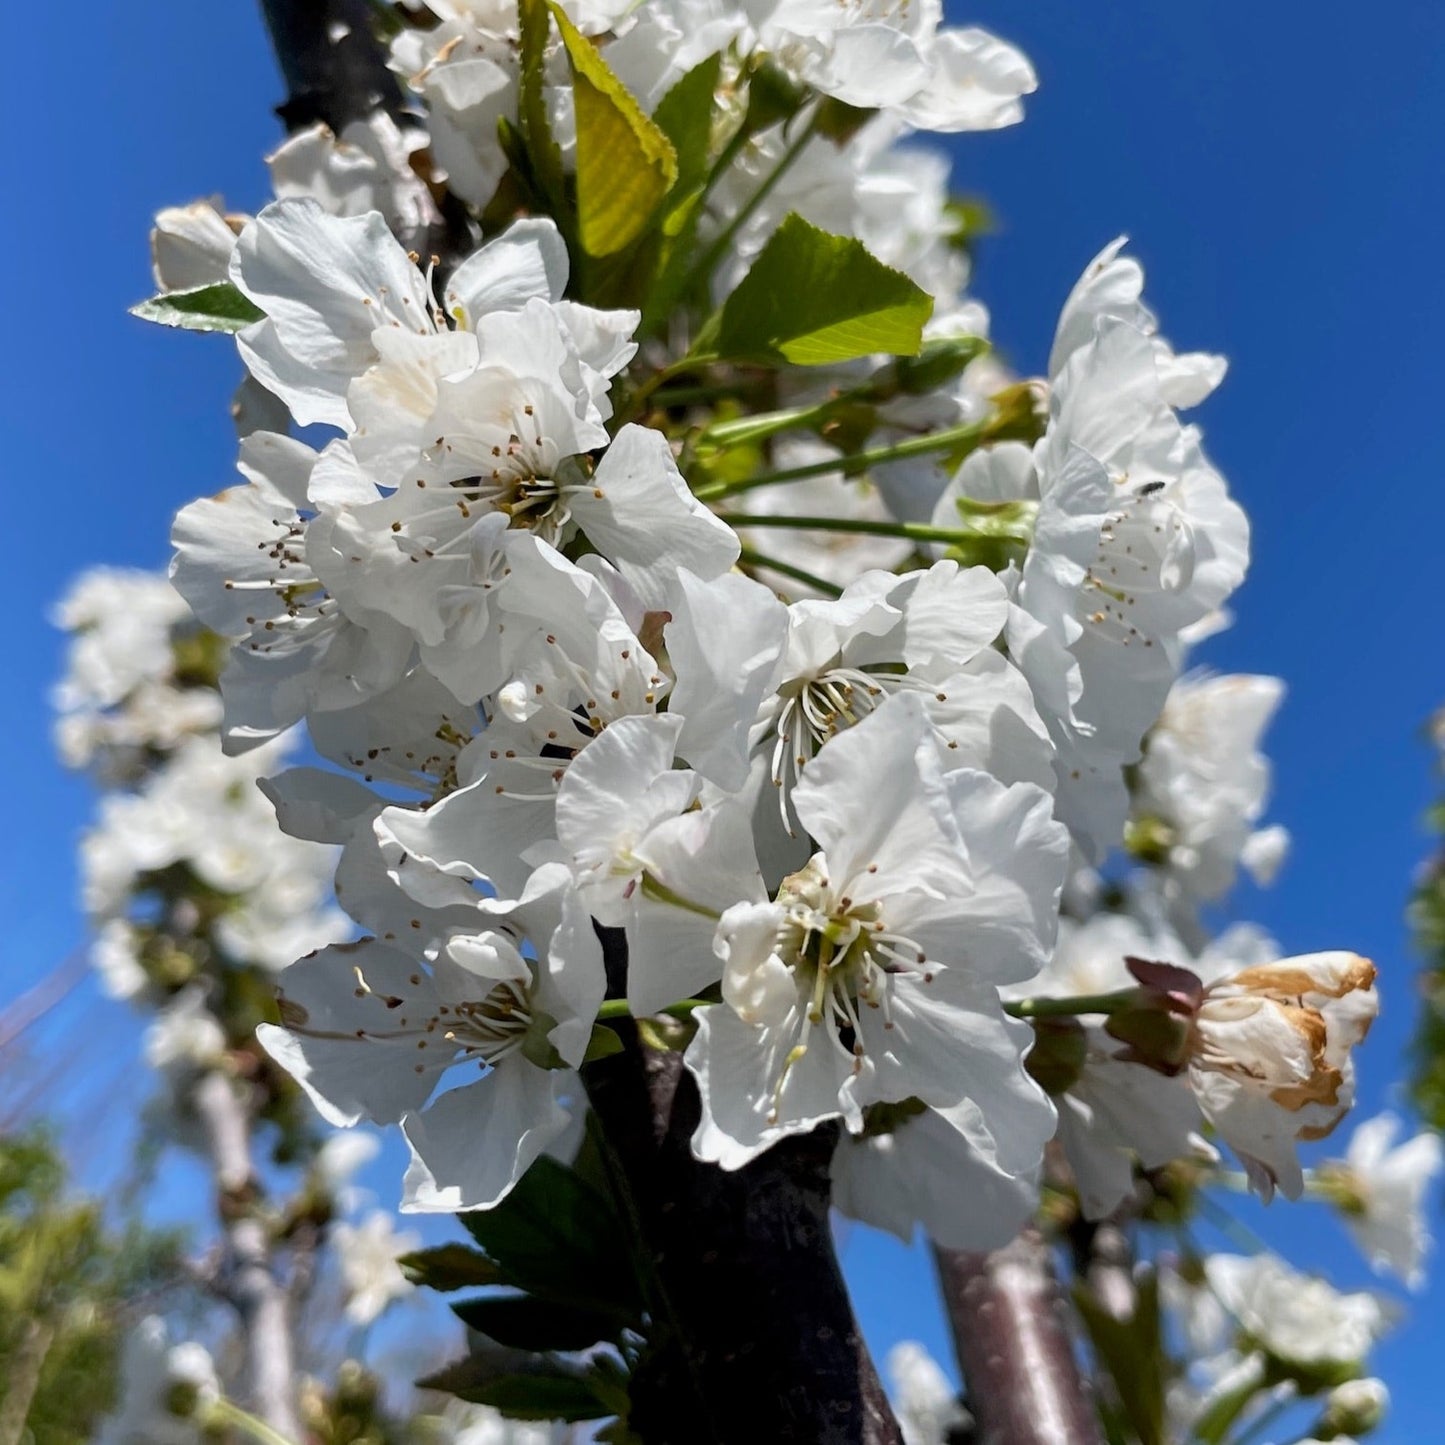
[219,307]
[556,1236]
[1132,1351]
[546,173]
[625,164]
[602,1045]
[450,1266]
[684,115]
[812,298]
[538,1388]
[525,1322]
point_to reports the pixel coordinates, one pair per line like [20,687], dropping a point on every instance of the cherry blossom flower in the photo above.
[860,980]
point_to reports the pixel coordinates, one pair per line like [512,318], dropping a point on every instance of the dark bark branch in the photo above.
[1009,1330]
[1104,1261]
[759,1338]
[334,66]
[335,71]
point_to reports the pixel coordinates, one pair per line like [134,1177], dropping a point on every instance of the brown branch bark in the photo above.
[248,1277]
[759,1342]
[1008,1319]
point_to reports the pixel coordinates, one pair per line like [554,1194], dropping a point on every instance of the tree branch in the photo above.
[1104,1261]
[25,1372]
[335,71]
[760,1342]
[249,1274]
[1008,1320]
[334,65]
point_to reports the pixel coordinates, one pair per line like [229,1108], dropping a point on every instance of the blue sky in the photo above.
[1277,168]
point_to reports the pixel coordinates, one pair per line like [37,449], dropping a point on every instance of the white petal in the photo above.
[641,514]
[936,1171]
[337,1007]
[473,1144]
[529,259]
[322,806]
[725,641]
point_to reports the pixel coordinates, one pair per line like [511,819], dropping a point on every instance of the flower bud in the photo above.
[939,362]
[773,95]
[1356,1407]
[1158,1023]
[1057,1058]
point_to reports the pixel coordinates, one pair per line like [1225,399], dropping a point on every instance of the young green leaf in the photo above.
[449,1267]
[685,116]
[558,1237]
[535,1389]
[1132,1351]
[625,164]
[545,159]
[812,298]
[218,307]
[602,1045]
[524,1322]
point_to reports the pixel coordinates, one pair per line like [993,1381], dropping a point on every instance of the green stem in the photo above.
[908,531]
[227,1412]
[1088,1003]
[1023,1008]
[618,1008]
[786,569]
[632,406]
[659,892]
[1264,1419]
[1238,1233]
[853,464]
[693,395]
[704,268]
[736,144]
[762,425]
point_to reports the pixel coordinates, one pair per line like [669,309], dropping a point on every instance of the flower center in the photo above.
[1146,555]
[487,1029]
[844,958]
[810,711]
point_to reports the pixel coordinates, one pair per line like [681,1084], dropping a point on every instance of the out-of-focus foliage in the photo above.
[68,1285]
[1427,918]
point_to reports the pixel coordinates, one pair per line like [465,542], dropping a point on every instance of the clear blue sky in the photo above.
[1278,168]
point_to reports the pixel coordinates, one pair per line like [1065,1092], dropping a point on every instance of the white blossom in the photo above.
[162,1387]
[367,1252]
[1381,1191]
[1300,1319]
[927,1404]
[1135,539]
[1270,1057]
[369,1030]
[1203,784]
[859,982]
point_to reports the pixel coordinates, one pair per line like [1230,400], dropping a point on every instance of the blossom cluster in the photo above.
[184,873]
[825,778]
[657,620]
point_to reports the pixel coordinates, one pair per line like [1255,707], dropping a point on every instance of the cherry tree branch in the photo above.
[332,65]
[759,1338]
[1008,1317]
[1104,1261]
[248,1274]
